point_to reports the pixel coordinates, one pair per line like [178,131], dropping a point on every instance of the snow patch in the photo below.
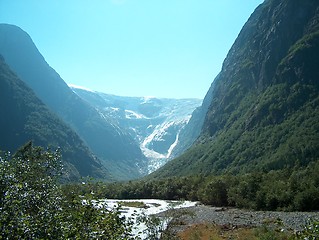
[171,148]
[115,109]
[80,87]
[147,99]
[159,131]
[133,115]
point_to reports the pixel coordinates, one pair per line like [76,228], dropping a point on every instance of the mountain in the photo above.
[155,123]
[191,131]
[263,112]
[24,117]
[116,148]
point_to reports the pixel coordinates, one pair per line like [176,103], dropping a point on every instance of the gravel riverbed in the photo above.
[232,217]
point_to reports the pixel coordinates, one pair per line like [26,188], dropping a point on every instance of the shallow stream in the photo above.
[145,208]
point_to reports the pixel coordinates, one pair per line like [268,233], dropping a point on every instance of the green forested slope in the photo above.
[264,113]
[24,117]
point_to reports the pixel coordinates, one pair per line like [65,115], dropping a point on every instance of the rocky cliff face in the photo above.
[116,148]
[263,112]
[253,61]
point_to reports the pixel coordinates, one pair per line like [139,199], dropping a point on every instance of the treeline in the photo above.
[293,189]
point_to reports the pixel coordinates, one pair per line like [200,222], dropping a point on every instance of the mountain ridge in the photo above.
[263,114]
[26,118]
[116,148]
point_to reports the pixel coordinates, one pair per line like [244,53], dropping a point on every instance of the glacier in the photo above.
[154,123]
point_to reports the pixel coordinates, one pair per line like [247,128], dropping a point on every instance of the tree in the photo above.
[214,193]
[33,206]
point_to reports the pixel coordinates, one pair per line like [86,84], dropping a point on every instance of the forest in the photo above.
[290,189]
[36,203]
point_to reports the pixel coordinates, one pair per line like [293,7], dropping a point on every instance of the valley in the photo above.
[154,123]
[244,158]
[130,136]
[188,219]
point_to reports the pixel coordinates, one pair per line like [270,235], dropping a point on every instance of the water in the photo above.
[150,207]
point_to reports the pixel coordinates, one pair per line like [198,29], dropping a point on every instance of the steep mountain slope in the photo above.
[154,123]
[264,109]
[116,148]
[189,134]
[24,117]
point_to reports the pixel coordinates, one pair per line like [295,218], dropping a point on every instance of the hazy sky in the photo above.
[162,48]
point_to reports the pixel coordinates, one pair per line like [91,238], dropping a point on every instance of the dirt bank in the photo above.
[238,218]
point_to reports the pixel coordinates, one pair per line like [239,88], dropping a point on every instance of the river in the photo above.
[145,208]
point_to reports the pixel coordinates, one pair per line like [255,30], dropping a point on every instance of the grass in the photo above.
[135,204]
[214,232]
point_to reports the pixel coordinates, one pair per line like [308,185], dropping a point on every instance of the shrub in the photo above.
[33,205]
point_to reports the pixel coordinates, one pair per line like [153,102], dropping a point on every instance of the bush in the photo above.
[214,193]
[33,205]
[311,231]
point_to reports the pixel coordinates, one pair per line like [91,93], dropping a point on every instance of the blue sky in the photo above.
[161,48]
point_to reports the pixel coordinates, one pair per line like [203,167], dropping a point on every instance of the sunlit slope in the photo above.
[264,109]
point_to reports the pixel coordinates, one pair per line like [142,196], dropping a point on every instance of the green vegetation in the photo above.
[308,41]
[211,231]
[311,231]
[279,130]
[34,206]
[26,118]
[258,148]
[290,189]
[135,204]
[264,110]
